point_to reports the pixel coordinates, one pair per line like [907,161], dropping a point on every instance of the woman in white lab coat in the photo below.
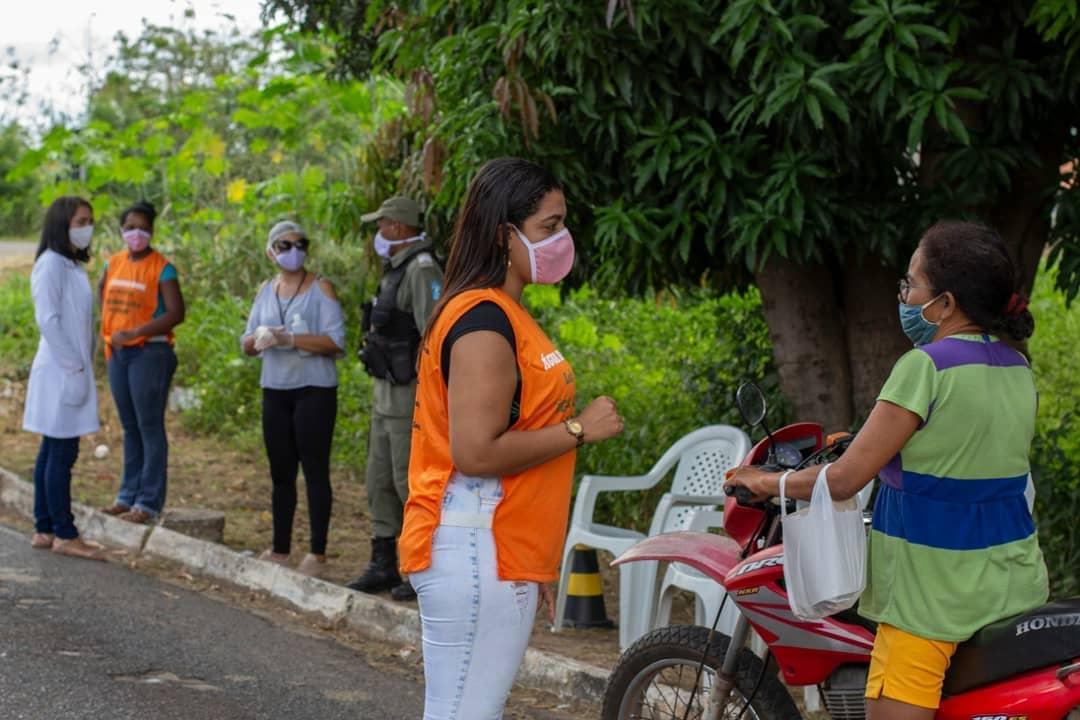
[61,399]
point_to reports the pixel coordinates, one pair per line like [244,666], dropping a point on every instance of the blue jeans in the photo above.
[475,626]
[52,487]
[139,378]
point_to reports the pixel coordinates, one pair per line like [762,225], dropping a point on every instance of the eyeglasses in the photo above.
[287,245]
[904,286]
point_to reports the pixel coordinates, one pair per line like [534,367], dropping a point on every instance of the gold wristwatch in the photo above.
[575,428]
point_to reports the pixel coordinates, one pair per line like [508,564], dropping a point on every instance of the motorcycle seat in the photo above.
[1044,636]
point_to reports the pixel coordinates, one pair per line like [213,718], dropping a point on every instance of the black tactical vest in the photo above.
[391,338]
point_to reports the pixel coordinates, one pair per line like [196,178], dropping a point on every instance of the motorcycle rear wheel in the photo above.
[654,679]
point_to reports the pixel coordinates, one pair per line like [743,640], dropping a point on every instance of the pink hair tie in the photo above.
[1017,304]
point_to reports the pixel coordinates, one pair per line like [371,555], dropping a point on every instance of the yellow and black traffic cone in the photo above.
[584,592]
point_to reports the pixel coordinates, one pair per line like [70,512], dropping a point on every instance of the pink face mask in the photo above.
[550,259]
[137,240]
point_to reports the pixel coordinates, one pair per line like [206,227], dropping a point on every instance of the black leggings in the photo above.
[298,427]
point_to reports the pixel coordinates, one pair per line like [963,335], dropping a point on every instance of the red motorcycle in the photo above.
[1022,668]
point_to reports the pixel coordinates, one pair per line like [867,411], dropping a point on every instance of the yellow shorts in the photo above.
[907,668]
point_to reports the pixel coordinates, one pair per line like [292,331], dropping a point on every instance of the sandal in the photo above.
[42,541]
[312,565]
[271,556]
[79,548]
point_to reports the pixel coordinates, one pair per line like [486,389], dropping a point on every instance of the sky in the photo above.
[54,37]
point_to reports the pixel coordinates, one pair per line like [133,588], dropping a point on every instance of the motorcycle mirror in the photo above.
[751,403]
[750,400]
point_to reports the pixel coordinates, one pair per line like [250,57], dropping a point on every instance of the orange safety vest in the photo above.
[530,521]
[130,296]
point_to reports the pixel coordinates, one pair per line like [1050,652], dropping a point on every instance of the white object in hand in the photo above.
[299,326]
[264,338]
[282,337]
[101,451]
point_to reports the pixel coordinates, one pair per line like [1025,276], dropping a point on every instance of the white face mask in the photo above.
[382,245]
[80,237]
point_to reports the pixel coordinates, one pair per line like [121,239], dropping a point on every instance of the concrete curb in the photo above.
[367,614]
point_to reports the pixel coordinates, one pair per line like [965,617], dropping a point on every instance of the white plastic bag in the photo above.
[824,553]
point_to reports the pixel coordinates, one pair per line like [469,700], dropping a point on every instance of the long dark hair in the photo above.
[504,192]
[142,207]
[973,263]
[54,231]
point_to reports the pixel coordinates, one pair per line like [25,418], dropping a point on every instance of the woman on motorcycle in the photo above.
[953,546]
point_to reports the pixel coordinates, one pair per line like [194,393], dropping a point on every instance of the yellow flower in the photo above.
[237,190]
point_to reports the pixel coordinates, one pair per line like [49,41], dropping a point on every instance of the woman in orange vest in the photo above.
[141,303]
[494,443]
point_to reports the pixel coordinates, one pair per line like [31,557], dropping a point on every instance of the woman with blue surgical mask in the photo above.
[953,545]
[297,329]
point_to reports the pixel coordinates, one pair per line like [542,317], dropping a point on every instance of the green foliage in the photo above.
[225,134]
[18,331]
[225,143]
[698,137]
[1056,450]
[224,382]
[20,214]
[671,364]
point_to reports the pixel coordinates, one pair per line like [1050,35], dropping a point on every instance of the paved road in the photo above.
[83,640]
[17,249]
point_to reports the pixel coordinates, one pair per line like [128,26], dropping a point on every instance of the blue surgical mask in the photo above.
[915,325]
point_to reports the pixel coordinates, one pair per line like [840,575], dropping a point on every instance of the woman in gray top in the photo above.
[297,328]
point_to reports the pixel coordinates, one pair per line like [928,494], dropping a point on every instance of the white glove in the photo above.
[283,338]
[264,338]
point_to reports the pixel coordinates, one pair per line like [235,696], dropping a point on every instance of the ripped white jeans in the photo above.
[475,626]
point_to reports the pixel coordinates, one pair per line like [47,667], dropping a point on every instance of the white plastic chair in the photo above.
[708,593]
[700,460]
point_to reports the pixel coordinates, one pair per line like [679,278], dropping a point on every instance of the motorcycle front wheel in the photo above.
[657,679]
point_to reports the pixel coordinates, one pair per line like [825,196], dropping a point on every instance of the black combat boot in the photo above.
[403,592]
[381,573]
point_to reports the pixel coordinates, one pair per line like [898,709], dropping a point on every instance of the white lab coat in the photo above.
[61,399]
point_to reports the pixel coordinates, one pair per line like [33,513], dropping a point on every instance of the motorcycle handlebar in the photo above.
[742,494]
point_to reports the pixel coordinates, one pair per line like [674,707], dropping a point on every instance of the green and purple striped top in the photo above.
[953,546]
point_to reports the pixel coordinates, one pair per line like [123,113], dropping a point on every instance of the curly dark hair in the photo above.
[973,263]
[144,208]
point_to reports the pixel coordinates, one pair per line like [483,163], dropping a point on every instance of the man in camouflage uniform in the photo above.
[393,324]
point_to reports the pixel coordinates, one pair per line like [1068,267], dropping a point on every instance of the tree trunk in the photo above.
[1023,215]
[874,337]
[807,331]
